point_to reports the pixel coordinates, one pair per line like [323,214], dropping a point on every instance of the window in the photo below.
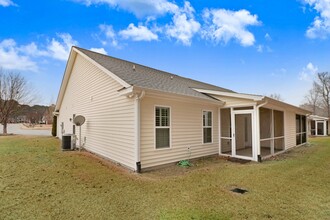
[162,122]
[300,129]
[207,127]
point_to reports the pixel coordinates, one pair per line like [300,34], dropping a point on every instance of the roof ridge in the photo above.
[120,59]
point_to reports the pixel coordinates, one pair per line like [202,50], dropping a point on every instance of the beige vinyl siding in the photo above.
[109,127]
[290,129]
[186,130]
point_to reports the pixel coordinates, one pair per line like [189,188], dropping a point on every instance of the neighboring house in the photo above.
[318,125]
[141,117]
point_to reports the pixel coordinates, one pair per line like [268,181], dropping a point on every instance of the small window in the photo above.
[207,127]
[162,126]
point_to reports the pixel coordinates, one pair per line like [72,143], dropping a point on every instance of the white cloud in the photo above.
[268,37]
[140,8]
[110,35]
[23,57]
[7,3]
[320,28]
[139,33]
[33,50]
[260,48]
[263,48]
[225,25]
[60,49]
[99,50]
[184,25]
[308,72]
[13,59]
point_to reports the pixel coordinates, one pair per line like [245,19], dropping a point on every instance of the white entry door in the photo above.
[243,135]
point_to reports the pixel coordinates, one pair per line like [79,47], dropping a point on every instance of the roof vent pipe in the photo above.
[133,67]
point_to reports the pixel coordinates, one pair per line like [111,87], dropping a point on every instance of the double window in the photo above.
[207,127]
[162,126]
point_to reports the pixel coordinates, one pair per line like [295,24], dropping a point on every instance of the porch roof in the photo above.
[317,118]
[258,99]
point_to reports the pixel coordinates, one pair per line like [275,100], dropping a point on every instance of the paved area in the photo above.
[16,129]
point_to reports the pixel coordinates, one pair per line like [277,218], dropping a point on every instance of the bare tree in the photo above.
[13,90]
[276,96]
[323,88]
[49,114]
[313,98]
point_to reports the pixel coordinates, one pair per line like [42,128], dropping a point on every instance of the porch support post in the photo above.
[272,144]
[233,140]
[256,132]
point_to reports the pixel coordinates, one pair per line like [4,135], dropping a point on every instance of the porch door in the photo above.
[320,128]
[243,135]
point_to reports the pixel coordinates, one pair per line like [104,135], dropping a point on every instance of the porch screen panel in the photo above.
[301,136]
[278,144]
[226,146]
[313,131]
[265,147]
[265,123]
[278,130]
[225,123]
[303,130]
[271,131]
[225,127]
[278,123]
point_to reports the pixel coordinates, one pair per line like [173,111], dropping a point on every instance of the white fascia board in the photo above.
[289,106]
[316,117]
[112,75]
[231,94]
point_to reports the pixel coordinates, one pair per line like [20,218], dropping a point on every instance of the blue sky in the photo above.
[257,47]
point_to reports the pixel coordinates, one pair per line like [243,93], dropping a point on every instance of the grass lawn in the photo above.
[38,181]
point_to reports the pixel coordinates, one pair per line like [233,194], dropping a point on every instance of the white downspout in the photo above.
[137,130]
[258,130]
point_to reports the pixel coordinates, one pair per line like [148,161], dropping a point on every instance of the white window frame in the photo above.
[170,127]
[205,110]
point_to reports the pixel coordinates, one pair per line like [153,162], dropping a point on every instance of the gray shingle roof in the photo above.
[149,78]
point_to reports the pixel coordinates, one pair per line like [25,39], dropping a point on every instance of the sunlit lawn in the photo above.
[39,181]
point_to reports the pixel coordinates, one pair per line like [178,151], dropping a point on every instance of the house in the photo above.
[141,117]
[318,125]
